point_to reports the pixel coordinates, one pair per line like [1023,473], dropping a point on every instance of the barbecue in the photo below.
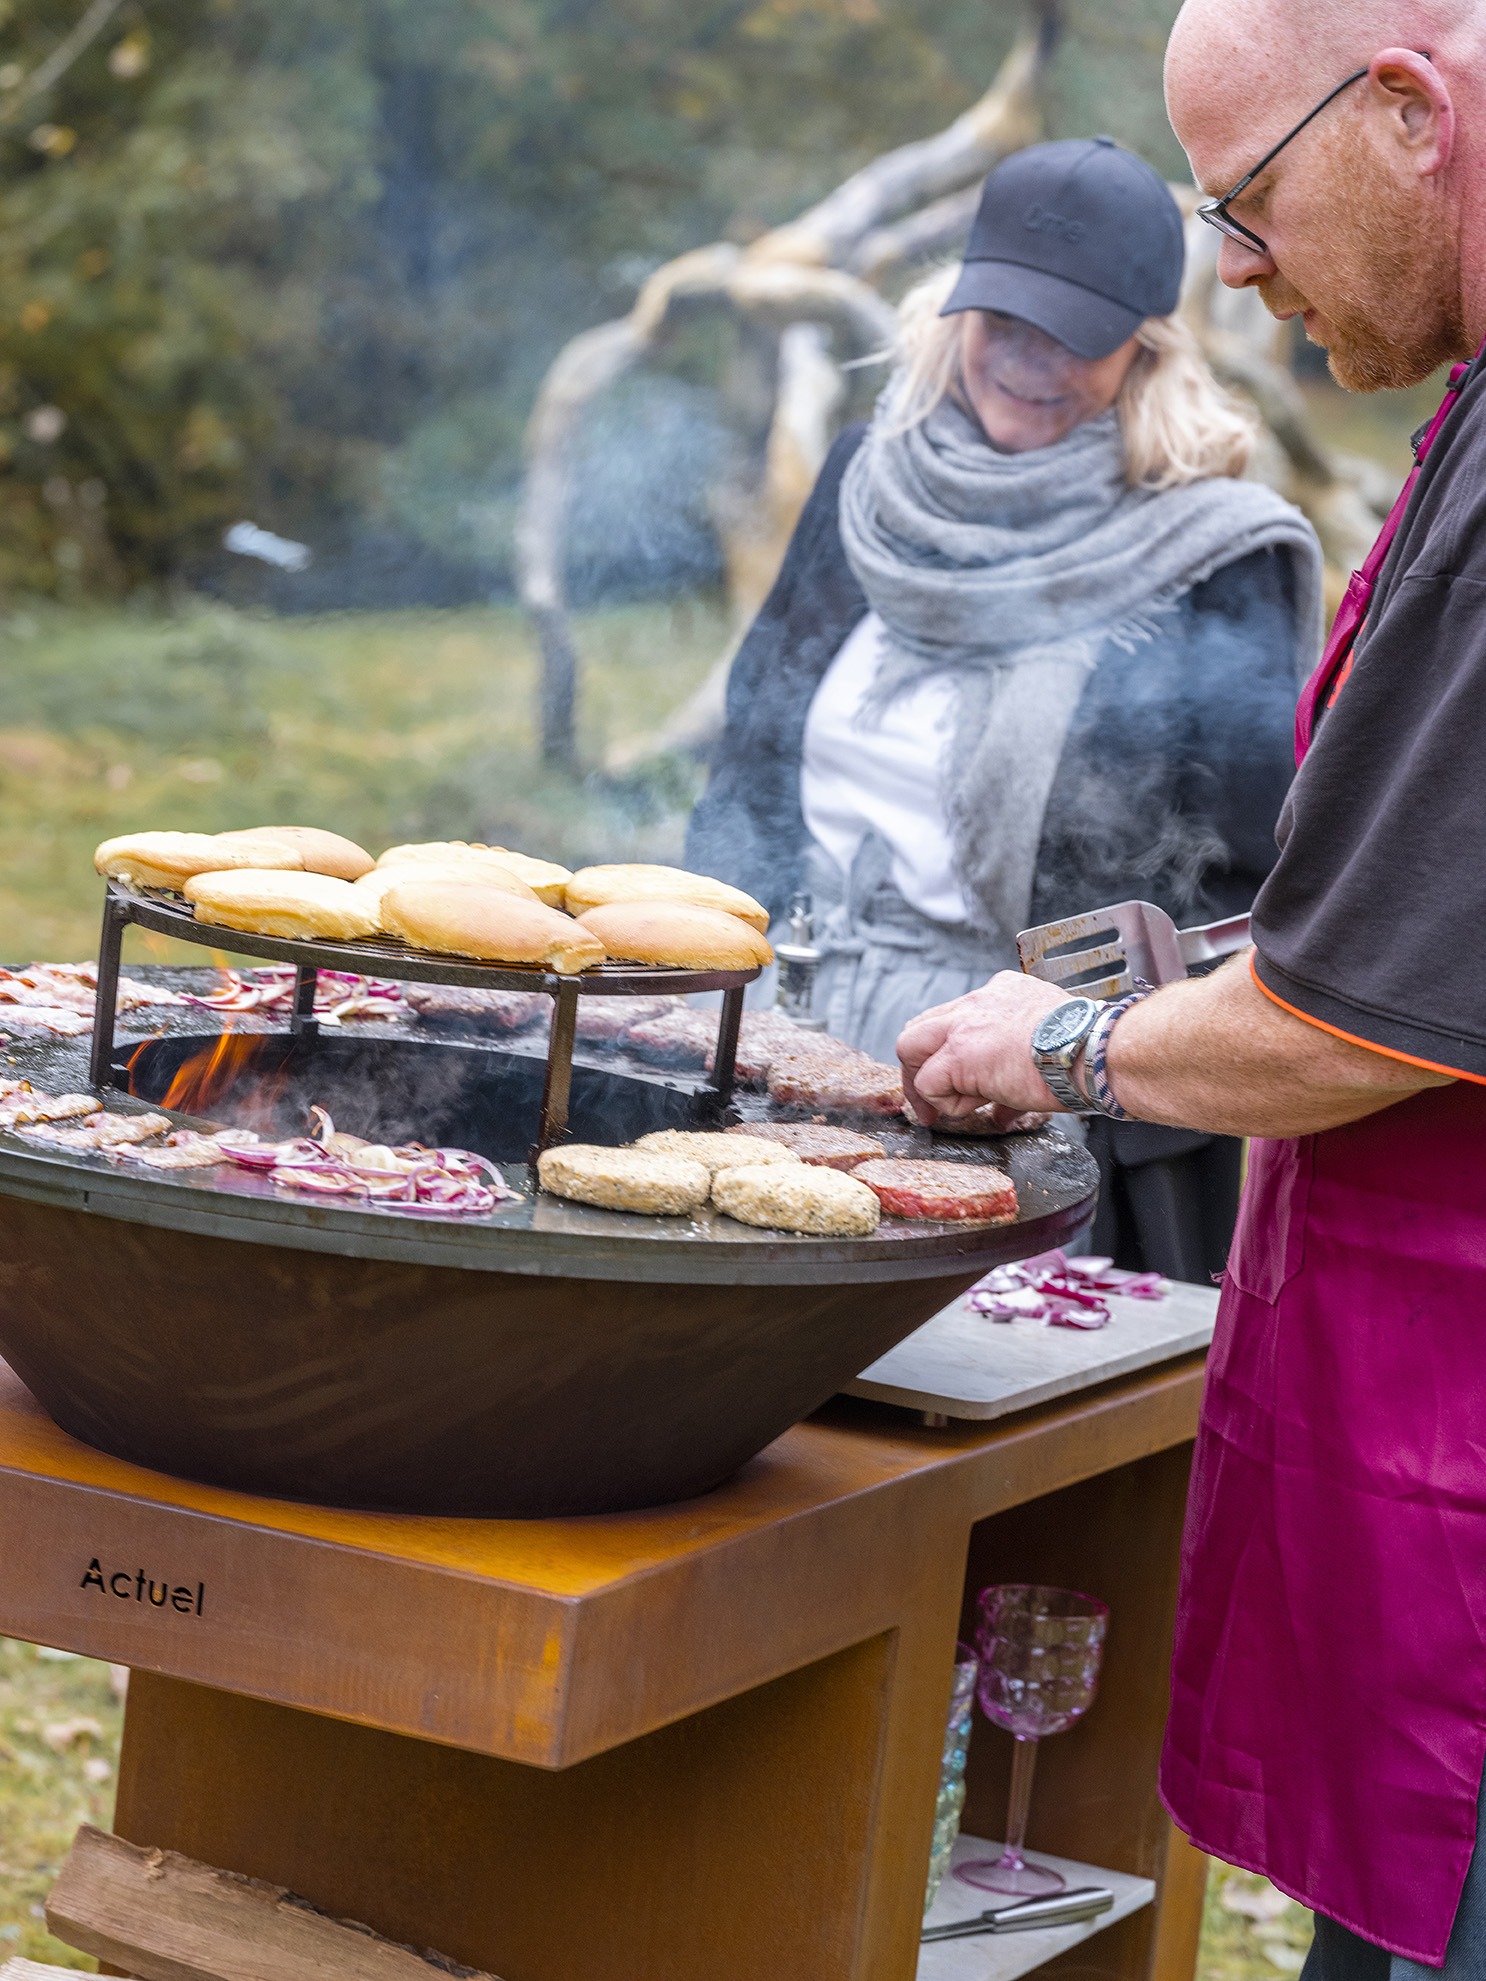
[290,1315]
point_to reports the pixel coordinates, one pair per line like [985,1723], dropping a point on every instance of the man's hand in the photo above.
[1213,1053]
[978,1050]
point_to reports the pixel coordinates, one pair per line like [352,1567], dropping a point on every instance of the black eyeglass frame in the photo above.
[1215,211]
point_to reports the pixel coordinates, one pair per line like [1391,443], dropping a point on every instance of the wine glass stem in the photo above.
[1023,1765]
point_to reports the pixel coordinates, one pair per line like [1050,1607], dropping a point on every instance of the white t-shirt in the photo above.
[883,776]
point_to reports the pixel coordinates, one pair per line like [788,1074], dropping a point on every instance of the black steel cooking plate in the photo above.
[546,1359]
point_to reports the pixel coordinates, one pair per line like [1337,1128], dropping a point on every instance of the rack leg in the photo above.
[559,1082]
[302,1019]
[116,919]
[724,1059]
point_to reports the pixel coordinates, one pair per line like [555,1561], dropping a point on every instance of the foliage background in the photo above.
[306,264]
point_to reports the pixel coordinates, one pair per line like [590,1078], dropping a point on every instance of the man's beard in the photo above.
[1391,314]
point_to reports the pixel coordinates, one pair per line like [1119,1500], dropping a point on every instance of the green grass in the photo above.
[384,726]
[59,1748]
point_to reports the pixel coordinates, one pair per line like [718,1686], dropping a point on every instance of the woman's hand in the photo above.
[978,1051]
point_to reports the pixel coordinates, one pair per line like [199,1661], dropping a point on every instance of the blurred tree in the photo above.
[308,264]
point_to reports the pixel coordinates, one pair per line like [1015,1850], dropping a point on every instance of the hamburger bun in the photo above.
[464,918]
[498,880]
[545,878]
[625,1179]
[265,902]
[170,859]
[321,852]
[597,887]
[678,934]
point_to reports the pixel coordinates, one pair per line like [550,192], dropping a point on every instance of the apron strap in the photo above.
[1336,662]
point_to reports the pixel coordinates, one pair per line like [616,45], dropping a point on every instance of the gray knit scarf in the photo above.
[1014,571]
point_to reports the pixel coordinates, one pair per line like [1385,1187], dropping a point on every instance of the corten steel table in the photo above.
[695,1744]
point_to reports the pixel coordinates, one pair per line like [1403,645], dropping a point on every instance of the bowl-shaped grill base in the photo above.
[419,1389]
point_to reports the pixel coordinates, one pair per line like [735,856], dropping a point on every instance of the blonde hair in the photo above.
[1178,423]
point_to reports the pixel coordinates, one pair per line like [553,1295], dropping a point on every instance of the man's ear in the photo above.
[1415,99]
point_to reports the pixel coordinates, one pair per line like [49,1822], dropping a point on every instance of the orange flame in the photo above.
[213,1074]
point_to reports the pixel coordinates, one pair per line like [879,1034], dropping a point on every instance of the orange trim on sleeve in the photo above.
[1368,1045]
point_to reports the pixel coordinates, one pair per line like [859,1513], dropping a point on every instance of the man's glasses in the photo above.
[1215,211]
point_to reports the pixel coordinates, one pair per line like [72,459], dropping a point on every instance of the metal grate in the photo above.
[387,957]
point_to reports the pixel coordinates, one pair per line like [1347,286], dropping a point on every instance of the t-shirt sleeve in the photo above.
[1373,921]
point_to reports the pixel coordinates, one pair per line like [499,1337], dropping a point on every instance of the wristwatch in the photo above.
[1058,1041]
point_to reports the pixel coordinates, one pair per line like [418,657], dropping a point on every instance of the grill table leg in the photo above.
[559,1082]
[302,1020]
[725,1058]
[105,1003]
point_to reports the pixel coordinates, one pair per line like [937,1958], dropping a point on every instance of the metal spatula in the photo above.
[1102,953]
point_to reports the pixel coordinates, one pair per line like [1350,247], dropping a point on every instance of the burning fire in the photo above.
[212,1074]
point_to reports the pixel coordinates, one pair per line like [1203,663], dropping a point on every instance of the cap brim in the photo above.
[1090,326]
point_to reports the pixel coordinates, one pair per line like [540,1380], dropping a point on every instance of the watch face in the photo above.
[1065,1026]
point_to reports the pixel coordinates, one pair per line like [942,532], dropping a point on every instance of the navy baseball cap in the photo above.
[1081,238]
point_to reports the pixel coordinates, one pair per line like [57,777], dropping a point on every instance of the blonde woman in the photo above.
[1035,647]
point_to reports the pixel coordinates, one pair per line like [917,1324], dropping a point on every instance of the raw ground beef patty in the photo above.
[941,1190]
[812,1142]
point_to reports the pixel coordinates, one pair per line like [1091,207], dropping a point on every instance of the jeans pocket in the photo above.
[1269,1240]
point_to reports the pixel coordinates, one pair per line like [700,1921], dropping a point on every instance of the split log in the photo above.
[803,273]
[164,1917]
[1005,119]
[33,1970]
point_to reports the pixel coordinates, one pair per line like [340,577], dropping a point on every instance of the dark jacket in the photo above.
[1168,790]
[1170,783]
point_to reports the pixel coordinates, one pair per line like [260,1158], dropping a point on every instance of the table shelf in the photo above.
[1003,1956]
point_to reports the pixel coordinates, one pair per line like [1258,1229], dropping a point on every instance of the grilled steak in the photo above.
[824,1148]
[941,1190]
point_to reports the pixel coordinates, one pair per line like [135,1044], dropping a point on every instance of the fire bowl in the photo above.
[548,1359]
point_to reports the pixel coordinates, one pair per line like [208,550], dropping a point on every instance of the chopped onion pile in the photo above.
[1063,1292]
[339,994]
[411,1180]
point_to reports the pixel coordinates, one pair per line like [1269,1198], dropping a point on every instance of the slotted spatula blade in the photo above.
[1101,954]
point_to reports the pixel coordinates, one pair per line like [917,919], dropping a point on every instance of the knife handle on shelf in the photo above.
[1059,1909]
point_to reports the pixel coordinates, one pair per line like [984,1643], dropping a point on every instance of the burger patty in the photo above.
[819,1203]
[486,1010]
[625,1179]
[942,1190]
[604,1019]
[838,1081]
[680,1038]
[714,1151]
[981,1124]
[813,1143]
[762,1036]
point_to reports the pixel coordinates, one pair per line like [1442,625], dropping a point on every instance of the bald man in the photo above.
[1328,1722]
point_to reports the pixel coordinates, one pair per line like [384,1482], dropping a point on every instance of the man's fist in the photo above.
[978,1051]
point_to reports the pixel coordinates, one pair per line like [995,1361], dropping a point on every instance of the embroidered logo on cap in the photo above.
[1040,219]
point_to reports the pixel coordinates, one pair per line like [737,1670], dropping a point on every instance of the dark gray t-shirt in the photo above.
[1373,923]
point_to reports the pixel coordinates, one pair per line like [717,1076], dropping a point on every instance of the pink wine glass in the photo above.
[1039,1670]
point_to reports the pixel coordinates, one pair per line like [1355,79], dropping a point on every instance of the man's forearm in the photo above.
[1217,1054]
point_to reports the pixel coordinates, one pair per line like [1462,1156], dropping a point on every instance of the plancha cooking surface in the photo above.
[538,1235]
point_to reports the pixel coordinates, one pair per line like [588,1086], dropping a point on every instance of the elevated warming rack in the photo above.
[386,956]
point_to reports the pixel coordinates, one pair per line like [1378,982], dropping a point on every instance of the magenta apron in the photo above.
[1328,1716]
